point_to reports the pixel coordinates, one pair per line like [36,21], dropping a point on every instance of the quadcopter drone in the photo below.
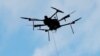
[53,23]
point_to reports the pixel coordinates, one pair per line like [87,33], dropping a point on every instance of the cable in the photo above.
[55,46]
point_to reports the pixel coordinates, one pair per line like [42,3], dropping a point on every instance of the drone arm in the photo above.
[65,24]
[73,22]
[39,25]
[35,20]
[64,18]
[31,19]
[67,16]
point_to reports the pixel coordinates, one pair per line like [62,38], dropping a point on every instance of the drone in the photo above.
[52,22]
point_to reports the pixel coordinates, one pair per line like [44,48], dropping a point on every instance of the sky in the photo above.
[18,39]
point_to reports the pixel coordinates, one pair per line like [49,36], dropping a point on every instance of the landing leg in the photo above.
[72,28]
[33,25]
[48,36]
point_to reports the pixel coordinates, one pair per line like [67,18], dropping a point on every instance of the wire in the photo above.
[57,53]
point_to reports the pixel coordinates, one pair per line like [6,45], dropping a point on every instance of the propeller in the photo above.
[57,10]
[73,22]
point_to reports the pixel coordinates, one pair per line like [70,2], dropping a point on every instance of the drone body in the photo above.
[53,23]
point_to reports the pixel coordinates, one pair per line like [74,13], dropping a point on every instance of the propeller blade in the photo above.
[57,10]
[73,12]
